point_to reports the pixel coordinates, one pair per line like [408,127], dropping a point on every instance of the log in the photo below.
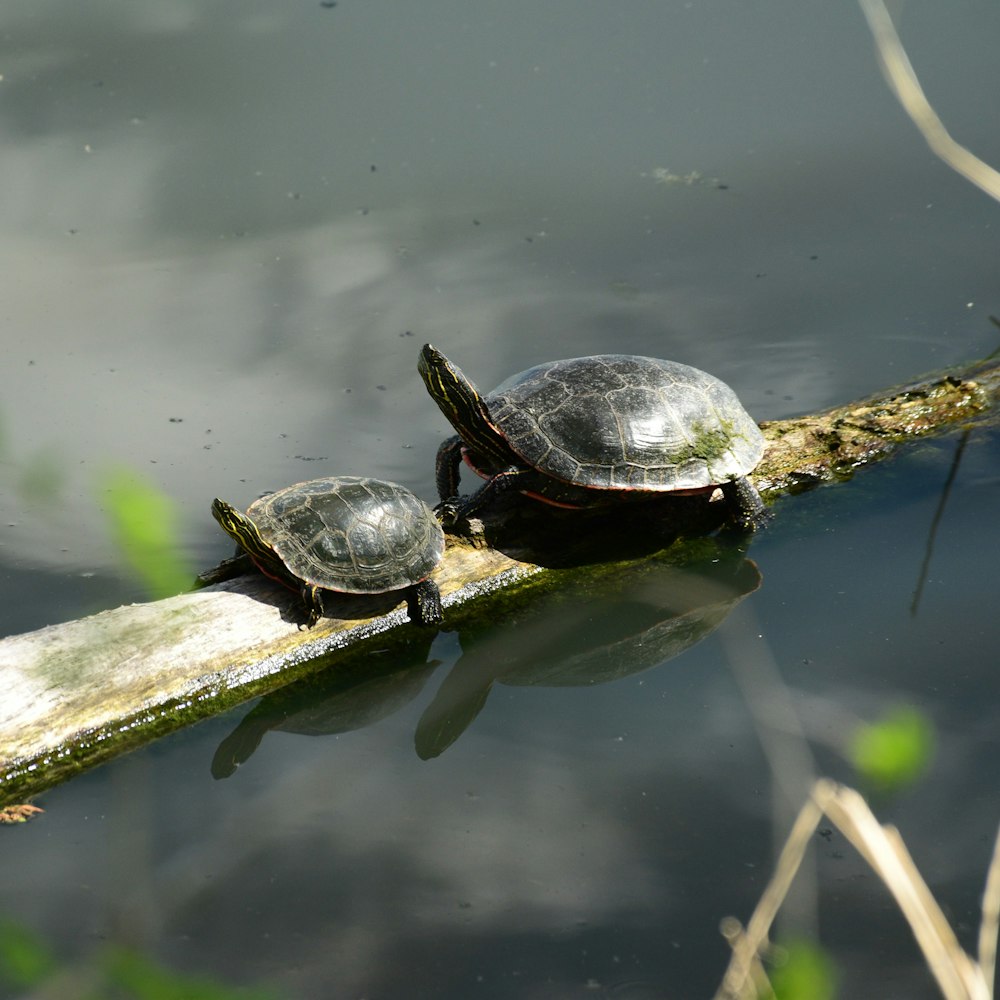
[82,692]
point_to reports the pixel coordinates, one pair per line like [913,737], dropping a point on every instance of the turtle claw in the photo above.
[447,511]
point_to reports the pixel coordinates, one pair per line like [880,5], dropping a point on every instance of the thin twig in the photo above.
[989,926]
[882,847]
[936,520]
[904,84]
[749,944]
[776,722]
[958,977]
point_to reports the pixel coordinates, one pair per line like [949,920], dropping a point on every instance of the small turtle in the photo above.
[595,430]
[343,533]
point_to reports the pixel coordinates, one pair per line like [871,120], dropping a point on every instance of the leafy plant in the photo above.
[804,972]
[894,751]
[144,526]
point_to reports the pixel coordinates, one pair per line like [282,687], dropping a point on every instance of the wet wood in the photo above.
[832,445]
[80,692]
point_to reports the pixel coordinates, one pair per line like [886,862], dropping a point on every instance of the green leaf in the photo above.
[895,751]
[143,525]
[804,972]
[25,961]
[143,979]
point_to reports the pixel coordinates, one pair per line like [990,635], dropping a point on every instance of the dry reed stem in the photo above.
[989,926]
[957,975]
[903,82]
[750,943]
[755,982]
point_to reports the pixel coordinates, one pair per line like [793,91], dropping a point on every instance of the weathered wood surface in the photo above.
[80,692]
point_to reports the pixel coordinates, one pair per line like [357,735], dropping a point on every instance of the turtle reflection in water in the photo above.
[597,430]
[344,533]
[350,696]
[590,638]
[593,633]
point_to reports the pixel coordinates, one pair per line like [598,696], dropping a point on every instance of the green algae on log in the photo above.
[82,692]
[831,445]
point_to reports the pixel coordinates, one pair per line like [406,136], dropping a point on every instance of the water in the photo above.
[228,230]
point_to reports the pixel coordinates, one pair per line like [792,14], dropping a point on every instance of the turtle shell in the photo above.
[352,534]
[622,422]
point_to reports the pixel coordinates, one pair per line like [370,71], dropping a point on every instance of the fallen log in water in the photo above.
[81,692]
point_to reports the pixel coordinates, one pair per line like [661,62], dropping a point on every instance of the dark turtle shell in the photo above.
[622,422]
[351,534]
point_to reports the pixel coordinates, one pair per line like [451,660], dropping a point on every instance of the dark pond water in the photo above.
[228,228]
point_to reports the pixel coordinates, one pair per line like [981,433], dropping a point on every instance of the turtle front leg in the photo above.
[312,597]
[446,468]
[423,603]
[452,508]
[746,509]
[514,477]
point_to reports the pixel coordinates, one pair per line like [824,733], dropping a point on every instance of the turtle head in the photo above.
[447,383]
[232,522]
[244,532]
[460,401]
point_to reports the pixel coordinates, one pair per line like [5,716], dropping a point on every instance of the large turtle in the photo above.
[594,430]
[343,533]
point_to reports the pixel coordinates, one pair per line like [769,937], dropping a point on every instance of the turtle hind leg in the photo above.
[423,603]
[746,509]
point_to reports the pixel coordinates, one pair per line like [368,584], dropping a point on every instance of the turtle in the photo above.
[350,534]
[595,430]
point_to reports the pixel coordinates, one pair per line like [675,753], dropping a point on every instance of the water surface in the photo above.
[227,230]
